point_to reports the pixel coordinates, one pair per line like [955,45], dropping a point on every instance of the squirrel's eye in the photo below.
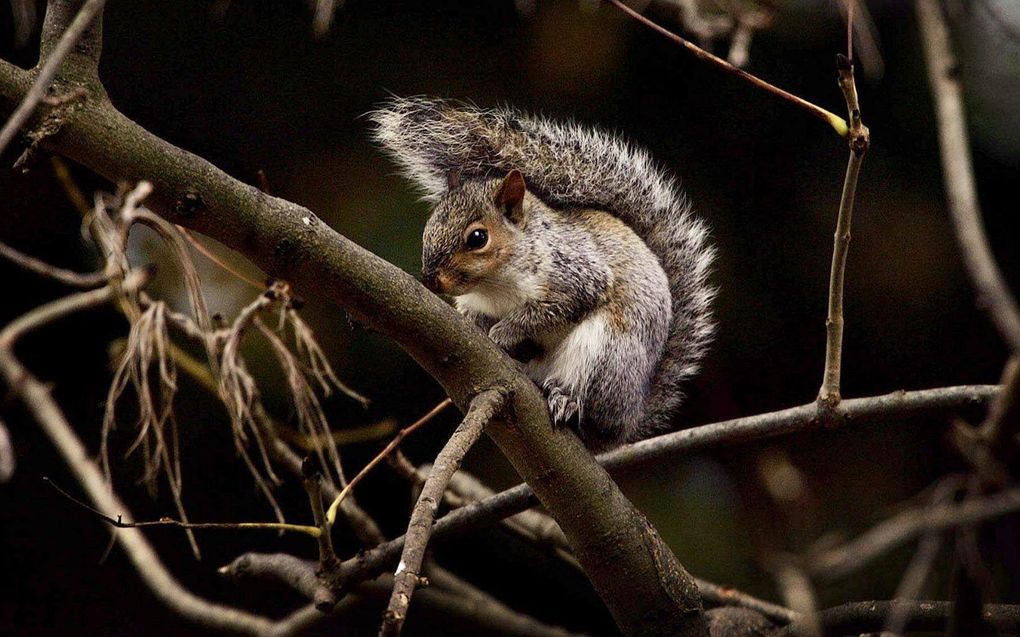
[477,239]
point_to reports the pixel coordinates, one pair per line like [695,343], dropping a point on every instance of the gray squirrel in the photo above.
[570,248]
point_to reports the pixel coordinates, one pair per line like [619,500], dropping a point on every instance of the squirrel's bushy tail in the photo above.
[570,166]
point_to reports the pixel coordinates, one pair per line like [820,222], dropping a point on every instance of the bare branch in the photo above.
[300,575]
[49,70]
[119,522]
[839,561]
[670,446]
[67,277]
[731,597]
[863,617]
[483,408]
[313,486]
[858,139]
[993,294]
[851,412]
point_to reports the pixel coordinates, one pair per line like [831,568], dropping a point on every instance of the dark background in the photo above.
[251,89]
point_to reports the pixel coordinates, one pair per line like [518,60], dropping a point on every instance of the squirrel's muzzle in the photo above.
[431,280]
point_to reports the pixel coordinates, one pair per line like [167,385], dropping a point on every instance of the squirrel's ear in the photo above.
[510,196]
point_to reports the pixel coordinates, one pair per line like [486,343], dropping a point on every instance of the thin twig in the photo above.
[919,570]
[833,120]
[403,433]
[900,528]
[67,277]
[223,265]
[993,294]
[798,593]
[483,408]
[313,486]
[121,524]
[858,139]
[49,70]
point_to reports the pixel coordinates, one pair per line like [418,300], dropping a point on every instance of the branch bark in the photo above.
[863,617]
[56,47]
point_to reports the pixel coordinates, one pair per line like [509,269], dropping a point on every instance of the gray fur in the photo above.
[573,170]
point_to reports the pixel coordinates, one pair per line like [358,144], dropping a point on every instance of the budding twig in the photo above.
[835,121]
[311,531]
[387,450]
[858,139]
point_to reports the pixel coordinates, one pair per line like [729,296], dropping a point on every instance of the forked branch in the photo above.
[408,575]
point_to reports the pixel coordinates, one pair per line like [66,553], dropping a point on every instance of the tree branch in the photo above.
[67,277]
[300,575]
[483,408]
[993,294]
[54,55]
[858,139]
[863,617]
[808,417]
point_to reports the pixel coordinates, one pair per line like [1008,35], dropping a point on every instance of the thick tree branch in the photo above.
[482,410]
[54,51]
[992,292]
[862,617]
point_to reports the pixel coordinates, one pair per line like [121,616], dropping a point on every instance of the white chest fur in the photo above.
[497,299]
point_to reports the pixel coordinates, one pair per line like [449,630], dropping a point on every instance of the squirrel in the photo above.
[570,248]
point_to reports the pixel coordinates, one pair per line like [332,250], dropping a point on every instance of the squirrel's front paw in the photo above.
[504,335]
[562,406]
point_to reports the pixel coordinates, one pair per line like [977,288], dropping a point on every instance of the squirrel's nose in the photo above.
[430,279]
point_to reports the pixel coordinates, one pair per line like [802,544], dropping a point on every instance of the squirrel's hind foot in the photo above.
[563,407]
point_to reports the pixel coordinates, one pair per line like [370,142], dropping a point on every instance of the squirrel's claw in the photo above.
[562,406]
